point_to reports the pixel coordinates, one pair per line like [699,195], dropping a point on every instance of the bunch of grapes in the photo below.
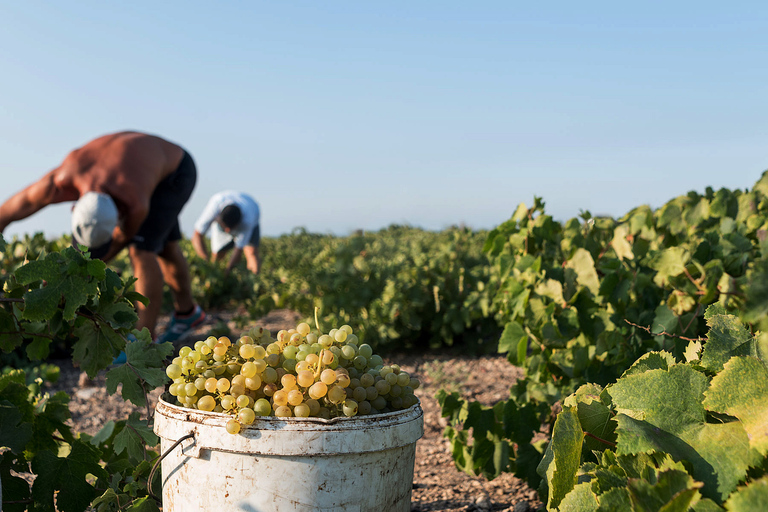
[300,373]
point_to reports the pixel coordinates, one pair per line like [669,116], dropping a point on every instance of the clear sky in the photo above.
[341,115]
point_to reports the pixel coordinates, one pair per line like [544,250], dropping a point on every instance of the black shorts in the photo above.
[162,223]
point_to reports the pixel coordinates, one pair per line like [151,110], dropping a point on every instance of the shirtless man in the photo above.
[129,188]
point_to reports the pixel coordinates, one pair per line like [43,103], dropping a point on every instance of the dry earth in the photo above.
[437,484]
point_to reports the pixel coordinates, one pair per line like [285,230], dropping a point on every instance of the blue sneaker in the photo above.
[181,325]
[122,358]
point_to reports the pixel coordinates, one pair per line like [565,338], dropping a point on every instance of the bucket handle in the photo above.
[157,463]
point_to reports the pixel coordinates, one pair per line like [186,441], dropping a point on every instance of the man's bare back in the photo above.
[125,165]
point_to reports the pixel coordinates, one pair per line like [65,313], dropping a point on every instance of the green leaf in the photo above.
[615,500]
[144,362]
[14,433]
[67,475]
[584,266]
[580,499]
[620,244]
[668,263]
[662,411]
[66,280]
[741,390]
[511,338]
[145,504]
[651,361]
[134,436]
[675,491]
[96,346]
[594,417]
[563,456]
[752,497]
[727,338]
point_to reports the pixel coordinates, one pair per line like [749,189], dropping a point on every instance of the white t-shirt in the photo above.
[248,207]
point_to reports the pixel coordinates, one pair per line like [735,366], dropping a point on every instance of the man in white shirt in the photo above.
[233,219]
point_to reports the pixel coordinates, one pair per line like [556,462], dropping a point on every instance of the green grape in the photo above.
[253,383]
[200,383]
[364,407]
[359,393]
[190,389]
[262,407]
[243,401]
[301,410]
[248,369]
[365,350]
[366,380]
[328,377]
[350,407]
[336,394]
[382,387]
[303,328]
[227,402]
[318,390]
[206,403]
[247,351]
[379,403]
[246,416]
[173,371]
[233,427]
[223,384]
[283,411]
[348,352]
[295,397]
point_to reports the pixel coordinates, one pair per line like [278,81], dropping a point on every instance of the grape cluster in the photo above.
[299,373]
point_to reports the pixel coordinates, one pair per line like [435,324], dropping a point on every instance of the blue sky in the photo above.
[338,116]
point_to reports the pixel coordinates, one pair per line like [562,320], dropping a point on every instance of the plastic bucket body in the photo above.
[356,464]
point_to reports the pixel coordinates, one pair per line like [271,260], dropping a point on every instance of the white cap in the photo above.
[94,217]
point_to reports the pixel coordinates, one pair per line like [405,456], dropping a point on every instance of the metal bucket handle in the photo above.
[159,460]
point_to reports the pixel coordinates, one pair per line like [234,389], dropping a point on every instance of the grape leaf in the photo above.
[741,390]
[580,499]
[584,266]
[615,500]
[511,338]
[14,433]
[67,475]
[727,337]
[65,280]
[144,361]
[669,262]
[663,411]
[134,436]
[620,244]
[561,460]
[749,498]
[96,346]
[674,491]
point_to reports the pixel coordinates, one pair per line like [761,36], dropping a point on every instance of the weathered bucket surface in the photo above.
[356,464]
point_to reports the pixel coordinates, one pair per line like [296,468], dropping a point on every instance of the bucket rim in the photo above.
[166,408]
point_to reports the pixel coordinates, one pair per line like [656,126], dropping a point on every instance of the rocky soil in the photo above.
[437,484]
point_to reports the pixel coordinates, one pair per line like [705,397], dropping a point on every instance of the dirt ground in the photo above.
[437,484]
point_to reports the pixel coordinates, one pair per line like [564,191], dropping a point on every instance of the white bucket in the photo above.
[356,464]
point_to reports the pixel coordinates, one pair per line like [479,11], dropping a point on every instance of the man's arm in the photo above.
[32,199]
[133,214]
[198,242]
